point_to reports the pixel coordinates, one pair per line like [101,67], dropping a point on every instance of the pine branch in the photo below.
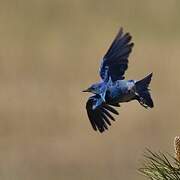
[157,166]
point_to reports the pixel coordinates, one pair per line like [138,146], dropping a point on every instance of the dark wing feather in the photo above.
[115,60]
[101,116]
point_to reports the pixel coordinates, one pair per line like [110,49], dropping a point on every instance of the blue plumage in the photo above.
[114,89]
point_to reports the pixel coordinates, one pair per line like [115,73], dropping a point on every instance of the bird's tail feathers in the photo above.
[142,92]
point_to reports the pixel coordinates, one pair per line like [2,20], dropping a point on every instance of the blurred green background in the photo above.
[50,50]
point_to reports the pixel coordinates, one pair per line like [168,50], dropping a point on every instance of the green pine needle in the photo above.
[156,166]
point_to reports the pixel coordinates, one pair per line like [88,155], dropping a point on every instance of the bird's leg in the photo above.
[142,104]
[141,100]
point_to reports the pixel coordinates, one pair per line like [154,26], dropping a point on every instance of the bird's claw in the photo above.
[142,103]
[145,106]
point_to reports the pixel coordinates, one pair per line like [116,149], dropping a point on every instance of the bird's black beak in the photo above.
[86,90]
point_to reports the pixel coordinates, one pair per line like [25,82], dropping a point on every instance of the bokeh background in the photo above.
[50,50]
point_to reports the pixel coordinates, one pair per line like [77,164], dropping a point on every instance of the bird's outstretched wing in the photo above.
[115,61]
[100,116]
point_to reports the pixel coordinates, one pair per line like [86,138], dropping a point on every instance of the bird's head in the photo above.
[95,89]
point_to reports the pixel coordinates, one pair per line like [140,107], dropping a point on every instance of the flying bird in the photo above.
[113,89]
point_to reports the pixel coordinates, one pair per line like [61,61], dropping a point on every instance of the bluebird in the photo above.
[113,89]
